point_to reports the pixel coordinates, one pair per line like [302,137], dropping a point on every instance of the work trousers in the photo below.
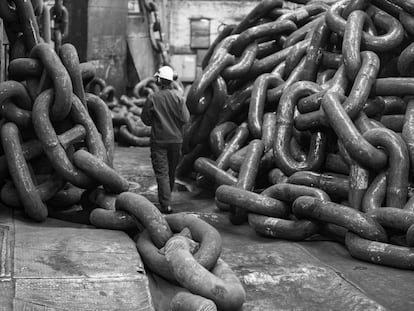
[165,158]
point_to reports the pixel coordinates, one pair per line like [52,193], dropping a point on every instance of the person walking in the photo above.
[166,113]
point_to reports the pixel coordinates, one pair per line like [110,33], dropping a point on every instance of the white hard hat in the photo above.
[165,72]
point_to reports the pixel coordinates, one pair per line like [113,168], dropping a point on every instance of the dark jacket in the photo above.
[166,113]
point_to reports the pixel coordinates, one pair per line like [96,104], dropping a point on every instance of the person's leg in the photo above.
[159,158]
[174,155]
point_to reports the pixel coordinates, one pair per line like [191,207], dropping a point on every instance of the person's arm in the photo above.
[185,114]
[146,115]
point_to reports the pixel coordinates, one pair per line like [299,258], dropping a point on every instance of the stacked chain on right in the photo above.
[303,120]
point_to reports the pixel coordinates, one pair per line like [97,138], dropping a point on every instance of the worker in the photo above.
[166,113]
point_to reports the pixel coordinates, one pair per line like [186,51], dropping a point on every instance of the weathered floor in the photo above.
[57,265]
[278,274]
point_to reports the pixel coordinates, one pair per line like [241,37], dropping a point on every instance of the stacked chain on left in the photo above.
[49,138]
[58,146]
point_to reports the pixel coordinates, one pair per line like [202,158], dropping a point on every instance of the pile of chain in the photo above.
[57,151]
[54,23]
[184,250]
[180,248]
[129,130]
[49,139]
[303,119]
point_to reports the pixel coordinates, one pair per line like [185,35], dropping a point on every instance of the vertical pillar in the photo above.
[106,44]
[2,59]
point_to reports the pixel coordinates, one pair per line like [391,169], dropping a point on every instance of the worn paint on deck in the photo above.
[57,265]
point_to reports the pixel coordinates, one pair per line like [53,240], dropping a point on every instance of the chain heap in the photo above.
[57,151]
[129,129]
[155,33]
[316,102]
[48,135]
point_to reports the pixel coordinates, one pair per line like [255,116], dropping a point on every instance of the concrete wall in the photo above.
[177,16]
[219,12]
[2,54]
[107,28]
[100,30]
[78,27]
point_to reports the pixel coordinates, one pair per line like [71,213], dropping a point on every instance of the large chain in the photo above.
[60,23]
[306,101]
[58,145]
[156,35]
